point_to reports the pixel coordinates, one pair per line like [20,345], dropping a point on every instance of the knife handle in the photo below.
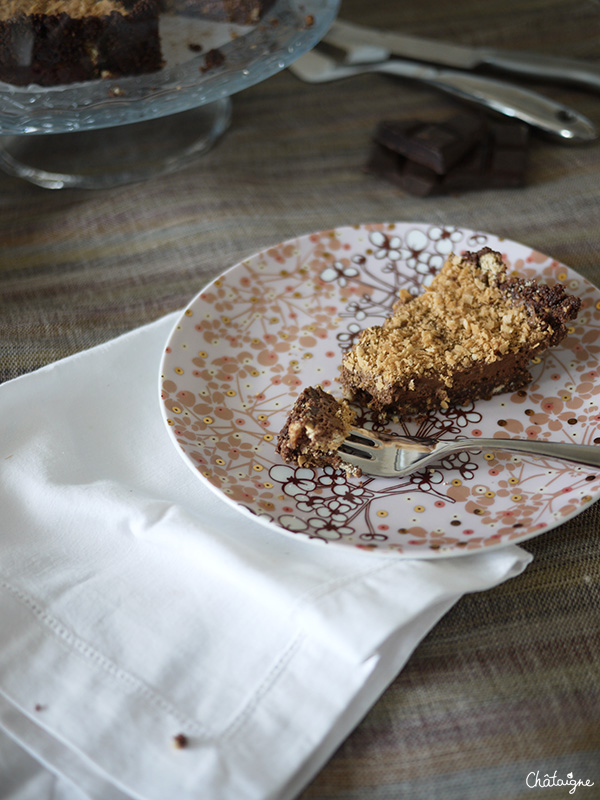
[506,98]
[563,70]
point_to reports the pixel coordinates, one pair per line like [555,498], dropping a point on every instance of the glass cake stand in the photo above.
[109,132]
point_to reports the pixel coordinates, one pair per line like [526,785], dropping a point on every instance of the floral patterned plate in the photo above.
[281,320]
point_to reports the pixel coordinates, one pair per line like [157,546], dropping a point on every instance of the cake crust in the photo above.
[471,334]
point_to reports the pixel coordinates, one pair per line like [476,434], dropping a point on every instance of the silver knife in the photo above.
[363,44]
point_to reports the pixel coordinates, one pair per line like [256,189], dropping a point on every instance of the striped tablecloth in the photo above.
[506,689]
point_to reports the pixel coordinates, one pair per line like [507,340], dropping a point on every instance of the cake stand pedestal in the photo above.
[108,157]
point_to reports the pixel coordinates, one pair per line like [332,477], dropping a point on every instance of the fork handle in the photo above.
[506,98]
[580,453]
[538,65]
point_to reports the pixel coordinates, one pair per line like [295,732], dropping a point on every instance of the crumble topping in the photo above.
[463,316]
[74,8]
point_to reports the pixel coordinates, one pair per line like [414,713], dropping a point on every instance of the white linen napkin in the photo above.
[136,605]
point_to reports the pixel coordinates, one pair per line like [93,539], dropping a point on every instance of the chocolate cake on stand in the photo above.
[97,93]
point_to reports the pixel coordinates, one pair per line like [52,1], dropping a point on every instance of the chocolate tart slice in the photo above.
[314,430]
[470,335]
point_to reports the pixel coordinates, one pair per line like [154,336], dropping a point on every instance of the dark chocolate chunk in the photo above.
[407,175]
[418,180]
[437,145]
[510,134]
[498,159]
[498,162]
[386,164]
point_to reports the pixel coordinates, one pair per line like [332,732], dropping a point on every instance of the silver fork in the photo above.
[535,109]
[394,456]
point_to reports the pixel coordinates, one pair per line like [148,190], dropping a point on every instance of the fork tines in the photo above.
[360,444]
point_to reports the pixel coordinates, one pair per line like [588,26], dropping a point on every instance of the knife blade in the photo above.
[362,44]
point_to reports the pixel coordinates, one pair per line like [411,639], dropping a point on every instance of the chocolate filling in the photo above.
[482,382]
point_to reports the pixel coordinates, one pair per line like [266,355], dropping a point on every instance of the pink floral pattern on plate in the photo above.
[251,340]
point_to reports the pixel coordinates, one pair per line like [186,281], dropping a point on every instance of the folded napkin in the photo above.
[139,611]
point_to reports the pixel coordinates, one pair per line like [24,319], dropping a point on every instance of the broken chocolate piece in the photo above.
[436,145]
[418,180]
[497,160]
